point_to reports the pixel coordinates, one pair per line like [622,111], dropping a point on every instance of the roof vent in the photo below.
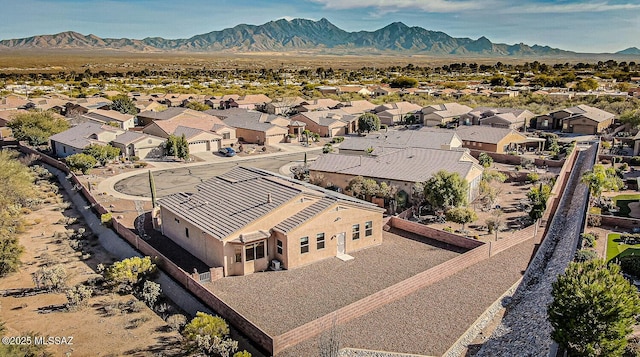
[268,198]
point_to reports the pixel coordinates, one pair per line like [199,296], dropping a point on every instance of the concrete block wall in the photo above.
[435,234]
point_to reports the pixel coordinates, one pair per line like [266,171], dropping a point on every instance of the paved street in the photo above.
[185,178]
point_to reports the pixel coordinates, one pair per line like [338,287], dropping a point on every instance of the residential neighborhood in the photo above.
[370,201]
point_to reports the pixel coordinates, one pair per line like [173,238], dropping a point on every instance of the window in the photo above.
[279,246]
[238,255]
[226,136]
[304,245]
[368,228]
[355,232]
[254,251]
[186,232]
[177,220]
[320,241]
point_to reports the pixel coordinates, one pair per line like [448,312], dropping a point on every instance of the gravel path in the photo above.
[429,321]
[280,301]
[524,330]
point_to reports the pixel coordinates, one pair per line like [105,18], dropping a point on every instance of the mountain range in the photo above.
[300,35]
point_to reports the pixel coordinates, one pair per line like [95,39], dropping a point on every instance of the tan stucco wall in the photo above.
[336,219]
[201,245]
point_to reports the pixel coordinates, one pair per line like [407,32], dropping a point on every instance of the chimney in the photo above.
[268,198]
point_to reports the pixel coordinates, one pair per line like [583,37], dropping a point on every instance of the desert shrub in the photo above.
[150,292]
[594,221]
[208,334]
[134,158]
[588,240]
[136,305]
[140,164]
[50,278]
[105,218]
[633,348]
[137,322]
[242,354]
[635,161]
[176,321]
[337,139]
[448,229]
[127,274]
[78,296]
[533,177]
[585,254]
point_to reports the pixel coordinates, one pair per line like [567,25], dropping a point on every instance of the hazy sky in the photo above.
[583,26]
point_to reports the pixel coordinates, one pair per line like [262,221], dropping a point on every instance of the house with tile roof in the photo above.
[13,102]
[254,127]
[112,117]
[315,104]
[582,119]
[204,132]
[75,139]
[380,143]
[246,218]
[398,167]
[135,143]
[394,113]
[328,123]
[486,138]
[85,105]
[356,107]
[439,114]
[510,118]
[282,106]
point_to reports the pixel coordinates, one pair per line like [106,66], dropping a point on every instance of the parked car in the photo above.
[228,152]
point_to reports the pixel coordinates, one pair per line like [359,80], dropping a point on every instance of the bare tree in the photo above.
[329,345]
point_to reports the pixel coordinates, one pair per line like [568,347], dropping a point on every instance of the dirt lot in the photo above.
[280,301]
[94,331]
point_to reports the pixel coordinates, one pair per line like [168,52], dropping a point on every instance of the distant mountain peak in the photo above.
[629,51]
[288,35]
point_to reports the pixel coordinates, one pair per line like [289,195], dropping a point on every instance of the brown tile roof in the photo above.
[400,140]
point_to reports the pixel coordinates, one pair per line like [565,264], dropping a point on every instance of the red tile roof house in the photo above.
[328,123]
[398,167]
[203,132]
[245,219]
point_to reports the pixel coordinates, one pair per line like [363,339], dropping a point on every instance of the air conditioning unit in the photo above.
[275,265]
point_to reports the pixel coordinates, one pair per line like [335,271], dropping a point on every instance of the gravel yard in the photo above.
[280,301]
[429,321]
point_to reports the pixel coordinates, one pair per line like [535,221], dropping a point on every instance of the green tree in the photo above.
[129,273]
[485,160]
[123,104]
[501,81]
[36,127]
[102,153]
[201,107]
[462,215]
[368,122]
[356,187]
[599,179]
[446,190]
[538,197]
[403,82]
[587,85]
[82,162]
[183,148]
[631,117]
[593,309]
